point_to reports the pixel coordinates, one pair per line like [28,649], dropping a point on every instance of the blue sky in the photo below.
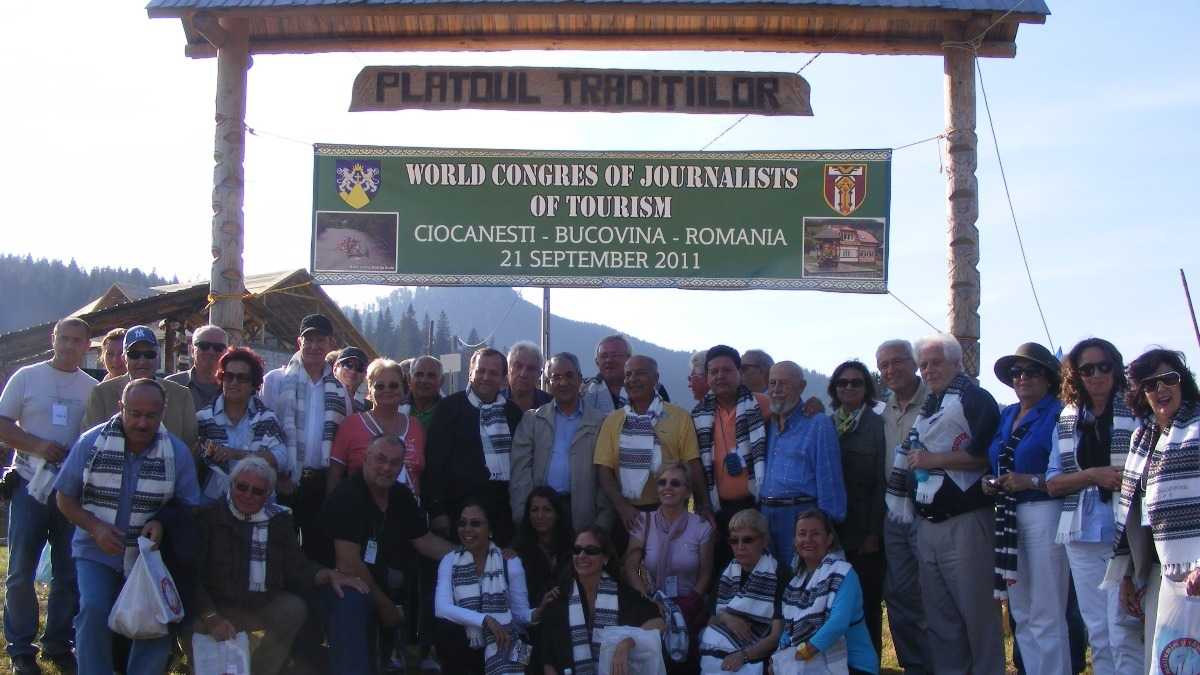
[110,162]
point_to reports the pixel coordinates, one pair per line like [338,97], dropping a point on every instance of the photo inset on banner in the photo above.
[844,248]
[349,241]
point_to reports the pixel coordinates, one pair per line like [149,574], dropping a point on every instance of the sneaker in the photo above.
[430,665]
[26,664]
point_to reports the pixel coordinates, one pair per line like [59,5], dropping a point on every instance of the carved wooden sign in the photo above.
[579,90]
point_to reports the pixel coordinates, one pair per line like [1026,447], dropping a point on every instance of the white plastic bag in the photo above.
[229,657]
[713,666]
[1176,631]
[644,659]
[148,601]
[45,567]
[832,662]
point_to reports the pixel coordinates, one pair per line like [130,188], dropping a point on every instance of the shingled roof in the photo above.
[846,26]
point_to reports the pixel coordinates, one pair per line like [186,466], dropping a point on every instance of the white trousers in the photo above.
[1115,637]
[1038,601]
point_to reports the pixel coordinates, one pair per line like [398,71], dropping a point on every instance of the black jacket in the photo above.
[454,464]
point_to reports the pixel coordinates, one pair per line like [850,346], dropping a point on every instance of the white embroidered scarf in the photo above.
[753,601]
[640,453]
[103,481]
[1166,476]
[1070,524]
[750,438]
[585,639]
[494,435]
[292,410]
[486,594]
[809,599]
[260,526]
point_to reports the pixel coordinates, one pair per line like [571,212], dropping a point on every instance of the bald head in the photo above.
[785,385]
[641,380]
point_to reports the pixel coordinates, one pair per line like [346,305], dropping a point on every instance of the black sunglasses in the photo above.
[206,346]
[673,482]
[392,386]
[1170,378]
[243,487]
[1090,369]
[353,364]
[588,550]
[472,522]
[237,378]
[843,383]
[139,354]
[1031,372]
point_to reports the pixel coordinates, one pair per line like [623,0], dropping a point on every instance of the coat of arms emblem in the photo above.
[845,187]
[357,181]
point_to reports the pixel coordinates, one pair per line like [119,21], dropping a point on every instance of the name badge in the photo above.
[671,587]
[58,415]
[371,550]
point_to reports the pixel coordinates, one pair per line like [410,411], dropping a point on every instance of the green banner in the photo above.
[815,220]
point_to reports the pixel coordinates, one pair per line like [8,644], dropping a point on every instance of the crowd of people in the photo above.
[352,514]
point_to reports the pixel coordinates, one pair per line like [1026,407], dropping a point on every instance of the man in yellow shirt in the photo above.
[635,440]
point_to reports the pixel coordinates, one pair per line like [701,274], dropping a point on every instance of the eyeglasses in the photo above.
[472,522]
[742,541]
[588,550]
[391,386]
[244,487]
[1170,378]
[1090,369]
[1017,372]
[206,346]
[843,383]
[139,354]
[353,364]
[237,378]
[673,482]
[562,377]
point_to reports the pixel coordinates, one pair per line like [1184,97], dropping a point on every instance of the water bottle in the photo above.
[913,442]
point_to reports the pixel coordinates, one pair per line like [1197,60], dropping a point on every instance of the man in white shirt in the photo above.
[41,411]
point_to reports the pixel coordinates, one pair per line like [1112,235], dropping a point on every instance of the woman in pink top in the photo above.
[385,389]
[671,550]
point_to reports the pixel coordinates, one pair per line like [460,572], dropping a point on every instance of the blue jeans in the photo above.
[99,586]
[353,631]
[781,521]
[30,525]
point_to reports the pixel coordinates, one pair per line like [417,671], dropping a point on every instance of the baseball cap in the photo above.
[139,334]
[316,322]
[352,353]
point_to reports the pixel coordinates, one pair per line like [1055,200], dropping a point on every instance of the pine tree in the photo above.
[388,339]
[410,334]
[441,339]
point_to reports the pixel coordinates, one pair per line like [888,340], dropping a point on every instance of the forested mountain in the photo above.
[36,291]
[471,315]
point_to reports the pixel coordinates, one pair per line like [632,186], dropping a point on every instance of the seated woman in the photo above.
[671,550]
[544,545]
[237,424]
[746,625]
[588,602]
[480,600]
[251,569]
[823,603]
[386,391]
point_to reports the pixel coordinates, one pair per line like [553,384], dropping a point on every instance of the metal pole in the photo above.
[545,330]
[1191,309]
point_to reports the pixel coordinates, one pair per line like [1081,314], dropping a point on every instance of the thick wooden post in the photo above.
[229,153]
[962,200]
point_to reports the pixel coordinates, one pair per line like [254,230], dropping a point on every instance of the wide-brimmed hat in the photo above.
[1030,351]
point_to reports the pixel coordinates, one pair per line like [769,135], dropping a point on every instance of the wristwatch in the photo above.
[1037,482]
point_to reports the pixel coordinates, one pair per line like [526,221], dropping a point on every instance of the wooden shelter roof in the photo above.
[276,301]
[838,26]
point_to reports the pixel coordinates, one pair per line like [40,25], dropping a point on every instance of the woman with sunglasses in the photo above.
[746,625]
[481,602]
[1093,435]
[237,424]
[543,543]
[823,621]
[589,601]
[251,571]
[386,392]
[671,550]
[864,452]
[1159,491]
[1031,567]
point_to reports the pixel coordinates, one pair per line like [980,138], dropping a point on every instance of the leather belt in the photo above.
[788,501]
